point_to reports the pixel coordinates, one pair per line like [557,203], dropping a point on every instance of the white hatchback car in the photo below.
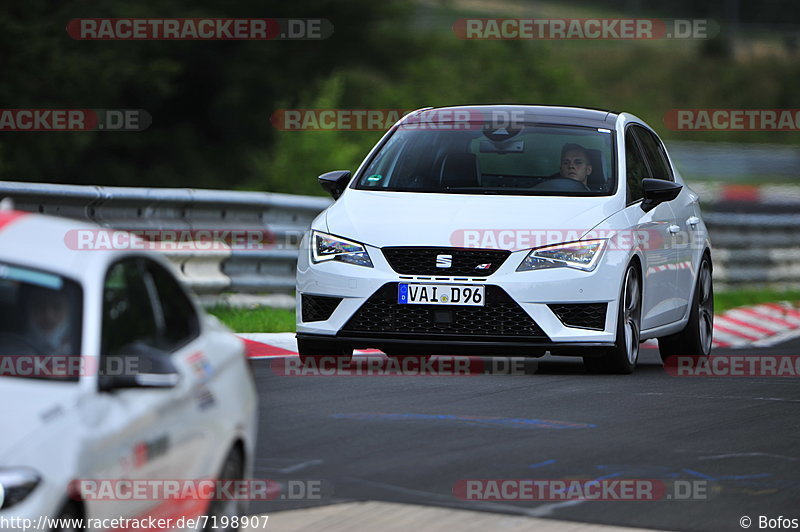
[108,371]
[509,229]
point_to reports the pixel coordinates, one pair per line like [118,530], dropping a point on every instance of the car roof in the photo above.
[546,114]
[41,242]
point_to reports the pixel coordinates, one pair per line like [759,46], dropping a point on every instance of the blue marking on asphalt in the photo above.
[612,475]
[698,474]
[636,471]
[542,464]
[742,477]
[726,477]
[512,422]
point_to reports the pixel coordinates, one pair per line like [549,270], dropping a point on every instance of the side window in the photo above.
[128,314]
[383,171]
[635,167]
[181,323]
[654,153]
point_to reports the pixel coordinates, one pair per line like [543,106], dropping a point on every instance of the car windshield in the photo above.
[40,324]
[530,160]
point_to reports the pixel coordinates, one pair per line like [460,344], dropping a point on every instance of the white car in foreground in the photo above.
[109,372]
[509,229]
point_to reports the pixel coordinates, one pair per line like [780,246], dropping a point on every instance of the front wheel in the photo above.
[695,338]
[623,356]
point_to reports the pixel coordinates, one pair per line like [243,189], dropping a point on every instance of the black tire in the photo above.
[623,356]
[232,469]
[695,338]
[311,350]
[71,511]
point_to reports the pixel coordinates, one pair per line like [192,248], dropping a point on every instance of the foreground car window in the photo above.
[181,324]
[143,303]
[474,159]
[40,324]
[128,315]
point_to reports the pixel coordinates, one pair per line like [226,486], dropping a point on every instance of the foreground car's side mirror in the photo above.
[657,191]
[137,366]
[335,182]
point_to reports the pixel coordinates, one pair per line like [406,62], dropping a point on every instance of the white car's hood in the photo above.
[460,220]
[29,405]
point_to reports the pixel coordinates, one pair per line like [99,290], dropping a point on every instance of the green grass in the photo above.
[258,319]
[267,319]
[727,300]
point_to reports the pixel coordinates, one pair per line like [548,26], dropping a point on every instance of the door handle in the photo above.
[693,220]
[674,229]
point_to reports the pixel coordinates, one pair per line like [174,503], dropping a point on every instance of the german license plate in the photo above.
[441,294]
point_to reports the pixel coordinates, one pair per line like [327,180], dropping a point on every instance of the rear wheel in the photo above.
[233,469]
[313,350]
[695,338]
[623,356]
[69,518]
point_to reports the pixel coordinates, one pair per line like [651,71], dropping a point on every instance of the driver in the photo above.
[48,321]
[575,163]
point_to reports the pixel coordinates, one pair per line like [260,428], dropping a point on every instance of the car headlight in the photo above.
[326,247]
[581,255]
[16,483]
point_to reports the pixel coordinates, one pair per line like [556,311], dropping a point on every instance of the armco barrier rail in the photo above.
[748,248]
[755,249]
[284,216]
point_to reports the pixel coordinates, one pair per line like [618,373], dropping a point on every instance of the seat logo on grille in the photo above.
[444,261]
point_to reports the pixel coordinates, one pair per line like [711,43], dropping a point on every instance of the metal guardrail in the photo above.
[283,216]
[748,248]
[755,249]
[728,161]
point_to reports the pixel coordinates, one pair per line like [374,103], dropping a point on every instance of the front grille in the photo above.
[584,315]
[501,316]
[422,261]
[318,308]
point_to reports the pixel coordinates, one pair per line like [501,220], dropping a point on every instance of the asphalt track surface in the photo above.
[411,439]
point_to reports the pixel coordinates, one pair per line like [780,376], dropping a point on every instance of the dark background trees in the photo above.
[211,101]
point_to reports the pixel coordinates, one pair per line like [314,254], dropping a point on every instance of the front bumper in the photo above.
[533,291]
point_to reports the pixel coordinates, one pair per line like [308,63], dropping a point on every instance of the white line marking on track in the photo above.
[539,511]
[300,466]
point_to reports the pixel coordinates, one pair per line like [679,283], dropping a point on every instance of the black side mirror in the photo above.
[657,191]
[335,182]
[137,365]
